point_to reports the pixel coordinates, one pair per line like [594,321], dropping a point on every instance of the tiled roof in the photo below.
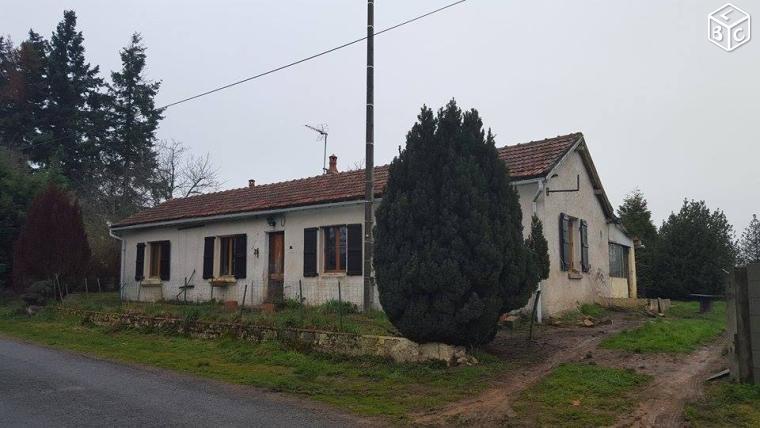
[525,161]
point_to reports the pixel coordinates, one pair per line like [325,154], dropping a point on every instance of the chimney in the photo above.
[333,169]
[251,183]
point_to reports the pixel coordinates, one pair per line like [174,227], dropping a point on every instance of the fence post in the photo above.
[242,305]
[86,288]
[100,290]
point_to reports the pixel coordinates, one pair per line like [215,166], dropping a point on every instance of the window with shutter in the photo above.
[310,252]
[208,257]
[565,245]
[354,264]
[241,254]
[585,265]
[140,262]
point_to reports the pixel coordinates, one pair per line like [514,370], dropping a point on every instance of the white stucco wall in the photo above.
[187,255]
[559,292]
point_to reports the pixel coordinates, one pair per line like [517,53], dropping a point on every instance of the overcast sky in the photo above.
[661,107]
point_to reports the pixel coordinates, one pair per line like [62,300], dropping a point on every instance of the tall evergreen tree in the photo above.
[131,155]
[749,244]
[74,107]
[637,219]
[694,248]
[449,251]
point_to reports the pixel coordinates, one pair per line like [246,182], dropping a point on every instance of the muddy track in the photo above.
[675,383]
[535,360]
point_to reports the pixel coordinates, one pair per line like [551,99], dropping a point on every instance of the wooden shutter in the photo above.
[240,254]
[166,257]
[585,266]
[354,253]
[310,252]
[208,257]
[140,262]
[564,241]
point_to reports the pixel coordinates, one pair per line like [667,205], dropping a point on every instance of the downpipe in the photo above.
[121,261]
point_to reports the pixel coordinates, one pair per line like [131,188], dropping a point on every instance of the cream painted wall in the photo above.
[187,255]
[560,292]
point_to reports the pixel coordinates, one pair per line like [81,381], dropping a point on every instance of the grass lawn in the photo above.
[580,395]
[682,330]
[323,317]
[726,404]
[367,386]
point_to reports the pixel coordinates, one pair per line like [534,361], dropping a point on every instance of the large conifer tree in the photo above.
[75,106]
[694,248]
[449,254]
[131,156]
[637,219]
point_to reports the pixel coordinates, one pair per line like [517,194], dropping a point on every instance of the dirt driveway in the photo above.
[676,378]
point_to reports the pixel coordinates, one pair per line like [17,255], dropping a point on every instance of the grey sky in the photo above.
[661,107]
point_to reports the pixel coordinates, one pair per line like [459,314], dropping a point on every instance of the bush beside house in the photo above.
[449,250]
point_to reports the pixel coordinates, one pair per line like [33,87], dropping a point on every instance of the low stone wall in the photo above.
[398,349]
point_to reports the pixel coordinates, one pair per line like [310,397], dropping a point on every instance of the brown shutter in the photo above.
[140,262]
[240,255]
[564,241]
[585,266]
[355,262]
[166,257]
[310,252]
[208,257]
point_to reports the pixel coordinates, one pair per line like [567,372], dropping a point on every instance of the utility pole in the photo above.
[369,191]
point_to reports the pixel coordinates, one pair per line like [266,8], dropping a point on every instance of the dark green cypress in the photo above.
[449,252]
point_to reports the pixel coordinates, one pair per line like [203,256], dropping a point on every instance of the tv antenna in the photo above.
[322,131]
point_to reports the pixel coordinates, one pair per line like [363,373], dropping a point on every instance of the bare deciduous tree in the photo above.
[181,174]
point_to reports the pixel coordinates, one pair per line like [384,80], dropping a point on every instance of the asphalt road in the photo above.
[45,387]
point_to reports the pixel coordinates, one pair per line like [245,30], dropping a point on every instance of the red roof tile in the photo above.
[525,161]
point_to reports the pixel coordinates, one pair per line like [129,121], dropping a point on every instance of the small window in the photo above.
[226,256]
[159,260]
[335,248]
[618,261]
[155,260]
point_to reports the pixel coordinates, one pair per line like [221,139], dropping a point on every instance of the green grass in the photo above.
[682,330]
[726,404]
[324,317]
[580,395]
[368,386]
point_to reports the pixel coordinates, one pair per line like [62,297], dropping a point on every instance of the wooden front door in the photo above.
[276,272]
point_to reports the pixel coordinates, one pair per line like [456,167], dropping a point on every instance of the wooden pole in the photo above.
[245,291]
[86,288]
[100,289]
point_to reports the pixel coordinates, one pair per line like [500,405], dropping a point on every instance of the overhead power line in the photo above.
[317,55]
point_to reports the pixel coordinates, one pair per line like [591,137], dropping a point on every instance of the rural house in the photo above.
[303,237]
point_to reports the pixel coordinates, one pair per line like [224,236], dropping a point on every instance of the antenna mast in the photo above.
[322,131]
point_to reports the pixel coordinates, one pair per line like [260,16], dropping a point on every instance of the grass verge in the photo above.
[681,331]
[366,386]
[726,404]
[580,395]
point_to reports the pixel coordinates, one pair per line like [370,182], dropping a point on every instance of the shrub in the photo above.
[38,293]
[449,249]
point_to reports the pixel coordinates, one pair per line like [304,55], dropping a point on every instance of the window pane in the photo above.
[225,256]
[155,260]
[341,262]
[330,248]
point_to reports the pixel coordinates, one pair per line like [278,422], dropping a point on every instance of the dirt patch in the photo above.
[535,359]
[677,380]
